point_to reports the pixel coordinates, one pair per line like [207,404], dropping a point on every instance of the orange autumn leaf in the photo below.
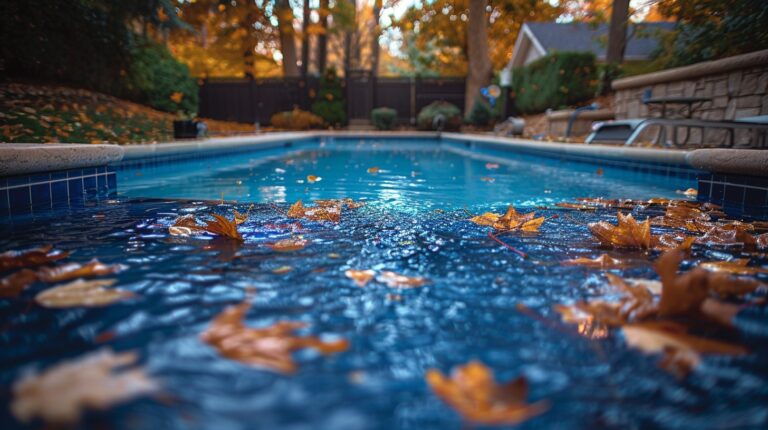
[668,241]
[270,347]
[326,210]
[511,220]
[312,179]
[737,266]
[176,96]
[361,277]
[373,170]
[472,391]
[288,245]
[221,226]
[93,293]
[733,234]
[30,257]
[396,280]
[68,271]
[628,233]
[604,261]
[15,283]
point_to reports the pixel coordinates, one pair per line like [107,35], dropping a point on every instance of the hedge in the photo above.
[383,118]
[555,81]
[450,113]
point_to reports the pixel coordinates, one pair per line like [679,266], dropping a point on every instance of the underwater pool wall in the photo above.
[36,177]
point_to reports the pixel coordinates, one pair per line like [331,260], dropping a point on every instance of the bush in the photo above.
[296,119]
[555,81]
[480,114]
[452,114]
[330,100]
[157,79]
[384,118]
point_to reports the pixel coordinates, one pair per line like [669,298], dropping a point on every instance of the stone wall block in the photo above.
[734,80]
[762,83]
[730,110]
[748,84]
[741,113]
[721,88]
[764,106]
[748,102]
[720,102]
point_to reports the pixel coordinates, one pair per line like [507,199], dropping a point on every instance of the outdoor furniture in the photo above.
[678,106]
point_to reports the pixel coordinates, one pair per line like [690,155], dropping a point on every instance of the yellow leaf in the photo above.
[91,293]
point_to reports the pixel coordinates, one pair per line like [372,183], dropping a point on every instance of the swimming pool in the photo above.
[418,195]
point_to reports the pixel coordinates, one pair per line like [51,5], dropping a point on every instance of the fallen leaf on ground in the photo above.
[268,347]
[15,283]
[68,271]
[91,293]
[511,220]
[30,257]
[60,394]
[396,280]
[472,391]
[288,245]
[361,277]
[604,261]
[628,233]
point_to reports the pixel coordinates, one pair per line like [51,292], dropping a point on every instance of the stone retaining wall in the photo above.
[738,87]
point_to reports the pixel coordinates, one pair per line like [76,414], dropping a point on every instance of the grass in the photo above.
[32,113]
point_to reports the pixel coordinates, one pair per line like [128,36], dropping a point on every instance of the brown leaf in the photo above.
[288,245]
[472,391]
[61,393]
[361,277]
[68,271]
[628,233]
[221,226]
[30,258]
[511,220]
[77,293]
[604,261]
[373,170]
[15,283]
[269,347]
[737,266]
[331,213]
[680,295]
[733,234]
[396,280]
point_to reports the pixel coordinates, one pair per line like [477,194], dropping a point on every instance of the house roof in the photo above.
[579,36]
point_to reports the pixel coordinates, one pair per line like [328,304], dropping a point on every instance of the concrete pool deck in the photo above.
[736,177]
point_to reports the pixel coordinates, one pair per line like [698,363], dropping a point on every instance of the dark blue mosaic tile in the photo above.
[75,189]
[755,197]
[18,180]
[19,197]
[734,194]
[4,203]
[41,194]
[718,190]
[704,189]
[75,173]
[59,191]
[112,181]
[90,171]
[39,178]
[90,184]
[58,175]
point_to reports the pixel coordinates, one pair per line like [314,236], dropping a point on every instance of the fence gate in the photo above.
[360,86]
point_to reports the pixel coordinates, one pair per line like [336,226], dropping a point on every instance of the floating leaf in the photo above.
[628,233]
[30,257]
[511,220]
[312,179]
[91,293]
[61,393]
[288,245]
[690,192]
[361,277]
[282,270]
[330,213]
[473,392]
[373,170]
[13,284]
[68,271]
[221,226]
[491,166]
[733,234]
[396,280]
[180,231]
[269,347]
[737,266]
[604,261]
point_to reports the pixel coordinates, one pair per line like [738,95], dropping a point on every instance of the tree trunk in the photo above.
[375,48]
[617,33]
[480,69]
[349,43]
[287,40]
[322,40]
[305,41]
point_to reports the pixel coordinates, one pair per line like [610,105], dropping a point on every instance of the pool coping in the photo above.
[29,158]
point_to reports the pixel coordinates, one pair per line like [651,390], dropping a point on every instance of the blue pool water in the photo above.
[414,223]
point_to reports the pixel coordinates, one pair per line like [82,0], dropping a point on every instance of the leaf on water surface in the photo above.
[687,217]
[288,245]
[268,347]
[472,391]
[361,277]
[180,231]
[60,394]
[241,218]
[93,293]
[604,261]
[511,220]
[682,350]
[737,266]
[628,233]
[221,226]
[68,271]
[15,283]
[396,280]
[690,192]
[733,234]
[491,166]
[669,241]
[312,179]
[373,170]
[282,270]
[30,258]
[487,179]
[325,210]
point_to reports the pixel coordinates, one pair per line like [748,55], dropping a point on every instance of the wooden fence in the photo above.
[256,100]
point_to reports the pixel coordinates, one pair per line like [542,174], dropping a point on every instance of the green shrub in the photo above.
[157,79]
[330,100]
[452,114]
[296,119]
[480,114]
[555,81]
[384,118]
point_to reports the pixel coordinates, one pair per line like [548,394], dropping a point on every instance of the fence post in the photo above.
[412,81]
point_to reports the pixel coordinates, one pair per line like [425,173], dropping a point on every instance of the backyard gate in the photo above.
[256,100]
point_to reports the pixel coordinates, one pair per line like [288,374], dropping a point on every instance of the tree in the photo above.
[284,14]
[305,40]
[322,40]
[480,70]
[617,32]
[375,47]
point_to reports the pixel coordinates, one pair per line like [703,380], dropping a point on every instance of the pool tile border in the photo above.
[738,194]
